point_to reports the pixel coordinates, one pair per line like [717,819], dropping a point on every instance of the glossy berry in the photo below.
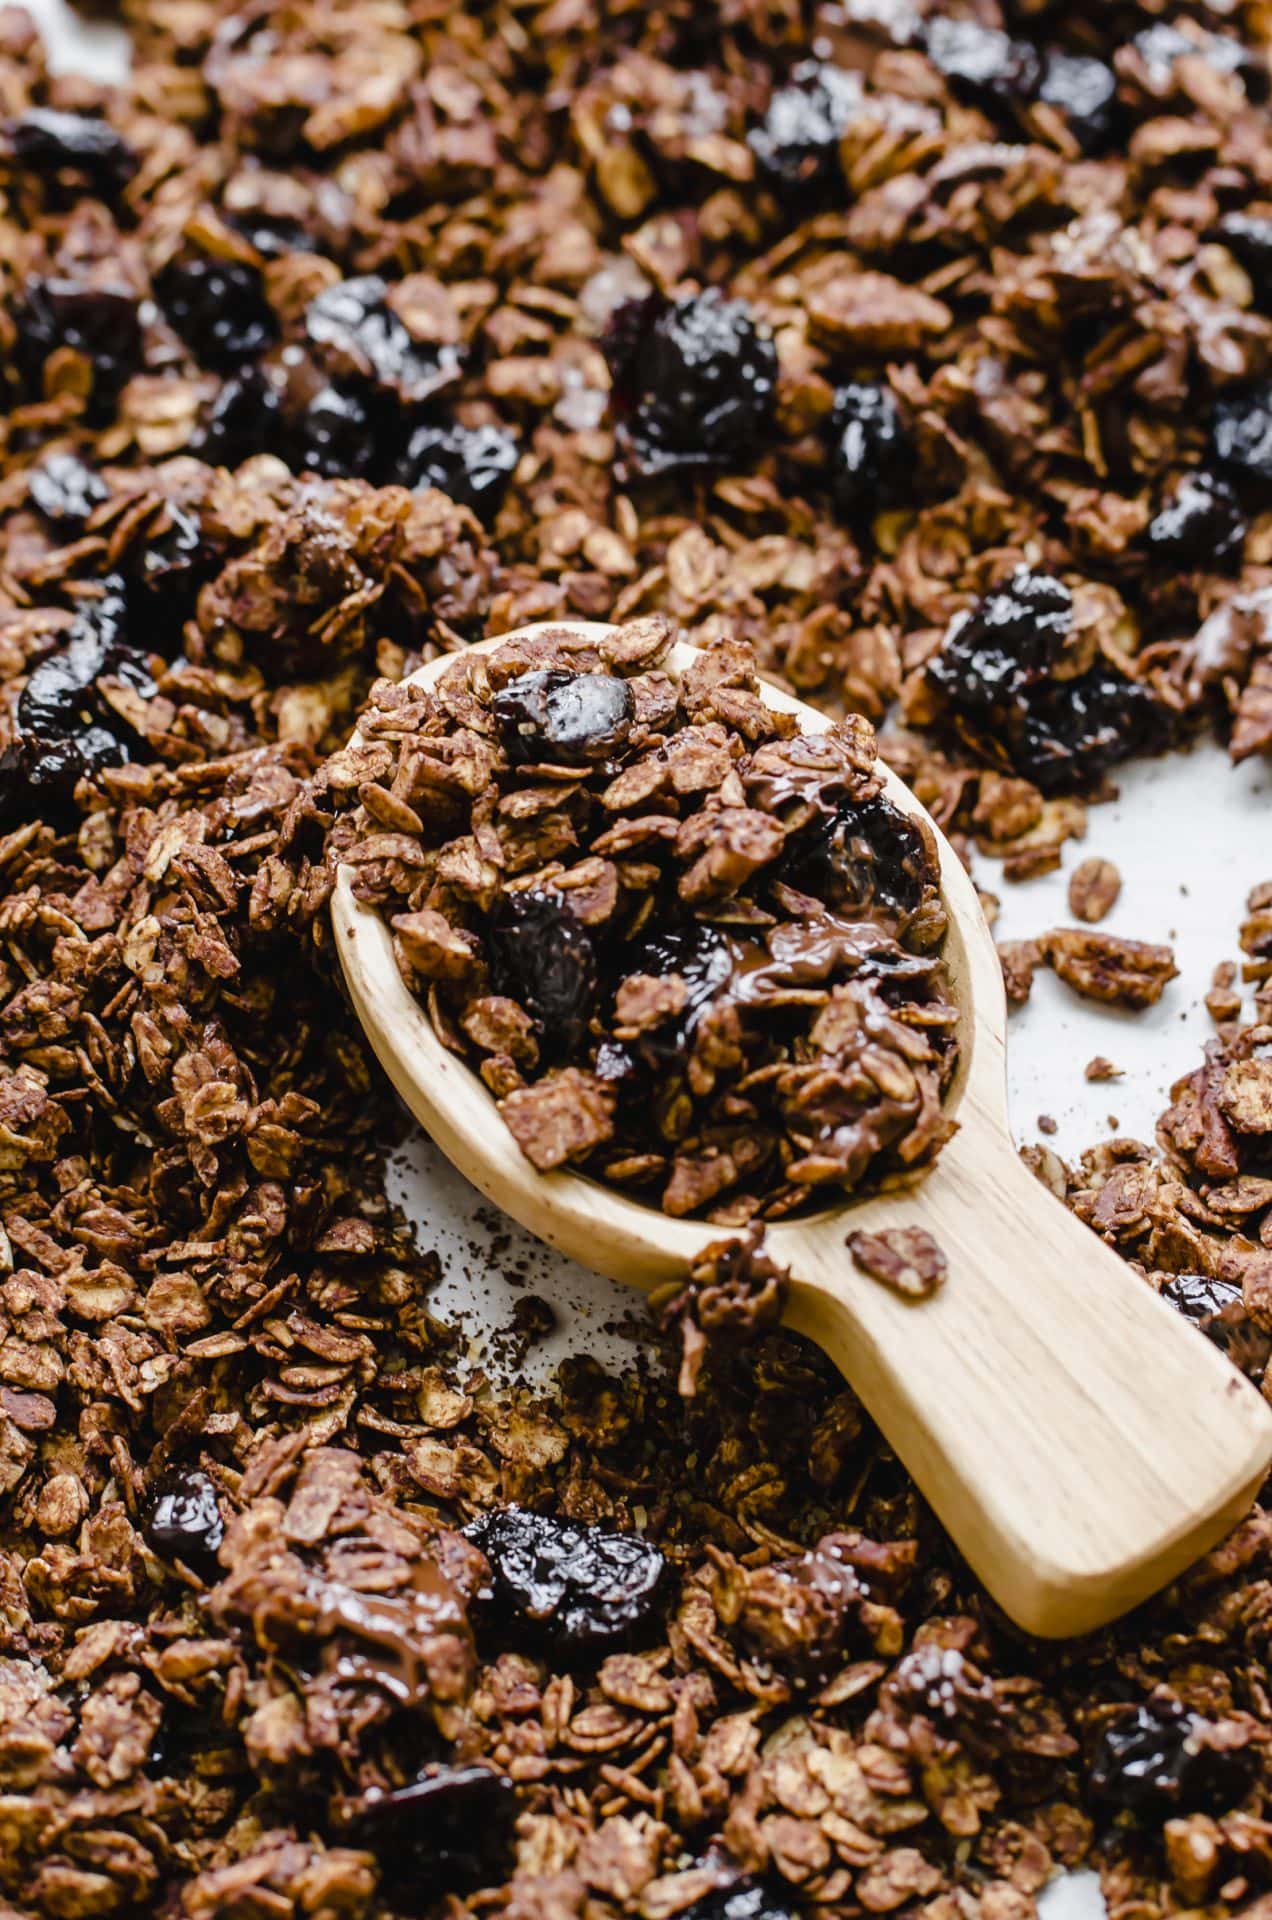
[1200,525]
[1068,733]
[450,1830]
[219,309]
[702,957]
[1248,238]
[1241,432]
[562,718]
[541,956]
[864,853]
[745,1899]
[796,145]
[244,419]
[357,336]
[871,457]
[168,565]
[573,1588]
[694,380]
[981,65]
[1217,1308]
[183,1521]
[1150,1761]
[45,141]
[1008,641]
[101,322]
[1085,91]
[472,464]
[65,490]
[335,435]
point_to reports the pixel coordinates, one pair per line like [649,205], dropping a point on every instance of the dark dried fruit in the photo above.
[796,145]
[65,490]
[701,956]
[542,956]
[1151,1760]
[746,1899]
[183,1521]
[579,1589]
[1241,432]
[1248,238]
[219,309]
[561,718]
[168,565]
[983,66]
[244,419]
[871,453]
[1069,732]
[472,464]
[1201,524]
[694,380]
[1217,1308]
[356,335]
[1085,91]
[335,434]
[451,1830]
[46,141]
[101,321]
[1008,641]
[865,852]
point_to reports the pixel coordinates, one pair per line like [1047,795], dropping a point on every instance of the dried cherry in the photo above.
[1241,432]
[219,309]
[335,434]
[183,1520]
[796,145]
[472,464]
[244,419]
[65,490]
[982,65]
[871,451]
[1008,641]
[703,958]
[866,851]
[450,1830]
[1201,524]
[102,322]
[48,142]
[694,380]
[543,957]
[1217,1308]
[746,1899]
[356,336]
[577,1588]
[562,718]
[1151,1760]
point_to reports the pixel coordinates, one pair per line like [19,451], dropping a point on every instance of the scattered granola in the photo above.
[1100,1067]
[691,950]
[907,1259]
[1094,887]
[1101,966]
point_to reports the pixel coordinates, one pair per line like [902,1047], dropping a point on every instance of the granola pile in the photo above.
[693,950]
[923,350]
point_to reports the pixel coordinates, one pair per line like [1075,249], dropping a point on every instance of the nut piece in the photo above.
[1094,886]
[1100,966]
[560,1118]
[1018,959]
[907,1259]
[1101,1068]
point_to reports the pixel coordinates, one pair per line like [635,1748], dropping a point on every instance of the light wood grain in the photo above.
[1080,1441]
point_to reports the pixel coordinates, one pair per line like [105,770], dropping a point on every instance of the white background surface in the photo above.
[1190,834]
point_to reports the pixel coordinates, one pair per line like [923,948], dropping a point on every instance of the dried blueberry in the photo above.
[183,1521]
[101,322]
[871,452]
[745,1899]
[1009,640]
[1241,432]
[357,336]
[1201,524]
[1151,1760]
[219,309]
[1248,238]
[335,434]
[450,1830]
[65,490]
[864,852]
[796,145]
[1085,91]
[694,380]
[50,142]
[244,419]
[576,1588]
[471,464]
[983,66]
[561,718]
[541,956]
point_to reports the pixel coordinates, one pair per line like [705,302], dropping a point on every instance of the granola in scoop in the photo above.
[923,348]
[690,948]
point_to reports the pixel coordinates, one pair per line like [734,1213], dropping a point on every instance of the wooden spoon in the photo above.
[1081,1442]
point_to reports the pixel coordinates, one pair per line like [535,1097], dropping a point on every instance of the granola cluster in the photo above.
[923,349]
[693,950]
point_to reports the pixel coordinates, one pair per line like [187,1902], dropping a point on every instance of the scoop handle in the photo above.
[1079,1439]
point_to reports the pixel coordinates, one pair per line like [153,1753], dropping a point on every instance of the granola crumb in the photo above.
[1100,1067]
[1094,887]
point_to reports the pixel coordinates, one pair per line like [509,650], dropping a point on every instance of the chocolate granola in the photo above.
[925,350]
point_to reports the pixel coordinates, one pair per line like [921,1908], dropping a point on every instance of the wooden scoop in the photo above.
[1081,1442]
